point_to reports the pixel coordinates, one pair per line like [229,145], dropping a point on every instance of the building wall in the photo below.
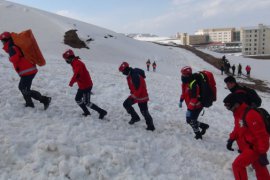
[197,39]
[218,34]
[256,40]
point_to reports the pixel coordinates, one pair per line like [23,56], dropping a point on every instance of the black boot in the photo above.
[86,114]
[134,116]
[101,112]
[198,135]
[85,110]
[204,127]
[133,120]
[46,102]
[148,120]
[28,101]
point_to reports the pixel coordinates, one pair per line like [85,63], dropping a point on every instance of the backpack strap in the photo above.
[245,114]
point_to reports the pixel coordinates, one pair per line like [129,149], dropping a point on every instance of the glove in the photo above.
[188,114]
[229,144]
[70,84]
[180,104]
[263,159]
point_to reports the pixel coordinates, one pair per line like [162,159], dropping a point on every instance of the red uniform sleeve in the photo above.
[257,127]
[76,75]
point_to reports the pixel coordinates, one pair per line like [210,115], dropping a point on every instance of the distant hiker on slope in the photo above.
[82,77]
[248,69]
[190,94]
[148,63]
[25,69]
[154,66]
[138,94]
[251,137]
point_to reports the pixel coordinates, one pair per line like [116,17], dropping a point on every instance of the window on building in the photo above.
[262,52]
[255,35]
[255,44]
[246,49]
[255,39]
[255,30]
[263,35]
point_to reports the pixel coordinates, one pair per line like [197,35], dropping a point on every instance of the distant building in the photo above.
[256,40]
[193,39]
[219,34]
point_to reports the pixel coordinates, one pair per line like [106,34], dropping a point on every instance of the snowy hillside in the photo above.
[61,144]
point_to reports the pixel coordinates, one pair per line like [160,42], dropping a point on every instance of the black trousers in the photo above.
[193,120]
[25,88]
[143,108]
[83,96]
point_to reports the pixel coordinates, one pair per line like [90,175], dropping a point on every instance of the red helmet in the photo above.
[5,35]
[186,71]
[123,66]
[68,53]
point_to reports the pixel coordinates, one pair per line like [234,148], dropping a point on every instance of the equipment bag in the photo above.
[265,115]
[208,90]
[28,44]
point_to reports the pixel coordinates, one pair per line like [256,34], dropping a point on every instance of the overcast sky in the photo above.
[160,17]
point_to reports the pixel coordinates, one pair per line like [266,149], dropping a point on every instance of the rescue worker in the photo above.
[25,69]
[82,77]
[190,94]
[251,136]
[138,94]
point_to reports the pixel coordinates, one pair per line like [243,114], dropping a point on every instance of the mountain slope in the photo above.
[61,144]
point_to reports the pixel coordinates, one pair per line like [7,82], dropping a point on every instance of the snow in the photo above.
[61,144]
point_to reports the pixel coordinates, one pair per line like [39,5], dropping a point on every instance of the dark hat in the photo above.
[229,79]
[233,98]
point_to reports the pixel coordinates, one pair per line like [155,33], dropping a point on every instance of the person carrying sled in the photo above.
[251,137]
[138,94]
[82,77]
[25,69]
[250,96]
[154,65]
[148,63]
[190,94]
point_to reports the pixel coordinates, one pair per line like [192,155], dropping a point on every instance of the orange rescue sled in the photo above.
[28,44]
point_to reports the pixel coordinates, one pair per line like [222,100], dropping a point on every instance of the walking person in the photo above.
[154,65]
[82,77]
[233,70]
[239,70]
[139,94]
[148,63]
[251,136]
[248,69]
[25,69]
[190,94]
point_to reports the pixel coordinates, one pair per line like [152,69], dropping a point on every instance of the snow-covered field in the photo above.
[61,144]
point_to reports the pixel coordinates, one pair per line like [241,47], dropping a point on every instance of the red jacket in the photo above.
[81,75]
[191,94]
[137,86]
[248,68]
[22,66]
[253,134]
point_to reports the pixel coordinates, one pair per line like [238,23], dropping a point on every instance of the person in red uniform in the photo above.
[138,94]
[25,69]
[82,77]
[251,137]
[190,94]
[248,69]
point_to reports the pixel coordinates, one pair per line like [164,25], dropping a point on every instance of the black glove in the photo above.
[263,159]
[229,144]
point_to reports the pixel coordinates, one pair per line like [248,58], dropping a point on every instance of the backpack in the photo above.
[208,90]
[140,72]
[252,97]
[29,47]
[265,115]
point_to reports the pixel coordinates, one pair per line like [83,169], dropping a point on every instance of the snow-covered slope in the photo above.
[60,144]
